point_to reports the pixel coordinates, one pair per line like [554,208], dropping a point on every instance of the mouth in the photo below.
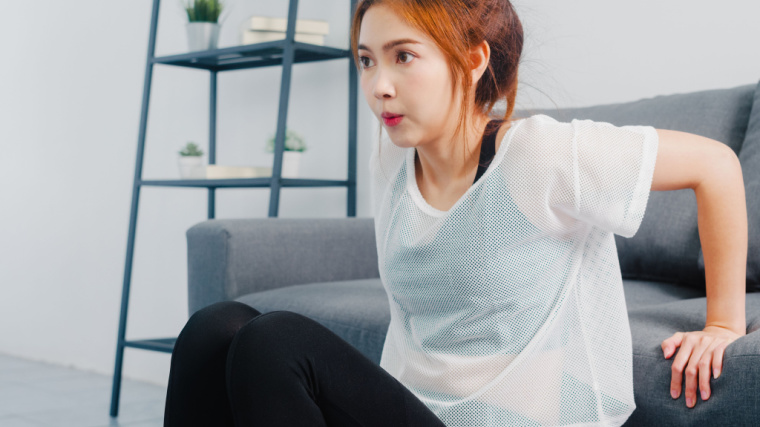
[391,119]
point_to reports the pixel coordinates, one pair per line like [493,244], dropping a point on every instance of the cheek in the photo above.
[437,87]
[429,93]
[365,86]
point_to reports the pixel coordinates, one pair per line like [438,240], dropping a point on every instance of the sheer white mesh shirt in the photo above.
[508,309]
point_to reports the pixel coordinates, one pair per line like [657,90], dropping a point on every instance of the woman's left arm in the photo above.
[713,171]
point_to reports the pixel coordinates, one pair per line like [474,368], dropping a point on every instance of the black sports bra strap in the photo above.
[487,147]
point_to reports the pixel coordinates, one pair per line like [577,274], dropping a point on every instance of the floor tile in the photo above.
[96,415]
[158,422]
[17,422]
[20,399]
[34,394]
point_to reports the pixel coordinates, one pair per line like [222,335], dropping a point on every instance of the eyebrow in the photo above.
[388,46]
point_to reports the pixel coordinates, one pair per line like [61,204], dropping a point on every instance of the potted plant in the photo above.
[291,156]
[191,162]
[203,23]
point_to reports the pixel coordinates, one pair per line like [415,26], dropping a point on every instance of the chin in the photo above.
[401,143]
[400,138]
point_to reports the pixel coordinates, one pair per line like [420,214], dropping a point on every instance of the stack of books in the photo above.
[259,29]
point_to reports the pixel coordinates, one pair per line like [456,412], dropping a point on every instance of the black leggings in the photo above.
[233,366]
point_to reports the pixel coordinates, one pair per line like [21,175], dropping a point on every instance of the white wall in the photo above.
[589,52]
[70,91]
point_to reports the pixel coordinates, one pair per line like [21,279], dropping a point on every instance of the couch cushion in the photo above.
[750,160]
[666,246]
[356,310]
[734,389]
[640,293]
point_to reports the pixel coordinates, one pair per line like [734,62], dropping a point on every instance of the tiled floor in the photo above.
[34,394]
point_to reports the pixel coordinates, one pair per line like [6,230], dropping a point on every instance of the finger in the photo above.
[669,345]
[705,362]
[692,370]
[679,363]
[718,359]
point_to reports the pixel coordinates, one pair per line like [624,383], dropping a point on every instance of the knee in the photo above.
[275,334]
[221,319]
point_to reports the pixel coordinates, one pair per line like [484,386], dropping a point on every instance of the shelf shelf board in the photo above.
[252,56]
[157,344]
[243,182]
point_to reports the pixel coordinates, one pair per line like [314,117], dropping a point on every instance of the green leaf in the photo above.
[204,10]
[191,149]
[293,142]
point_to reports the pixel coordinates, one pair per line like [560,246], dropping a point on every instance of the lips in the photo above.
[392,120]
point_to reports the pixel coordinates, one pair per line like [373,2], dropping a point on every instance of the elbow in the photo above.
[722,165]
[727,155]
[729,162]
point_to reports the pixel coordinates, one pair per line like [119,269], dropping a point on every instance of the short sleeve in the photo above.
[614,167]
[584,170]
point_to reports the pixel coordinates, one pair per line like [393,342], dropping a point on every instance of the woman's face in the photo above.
[410,79]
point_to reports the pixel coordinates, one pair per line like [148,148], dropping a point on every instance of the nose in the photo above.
[383,88]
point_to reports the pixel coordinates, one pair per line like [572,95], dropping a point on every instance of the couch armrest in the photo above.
[228,258]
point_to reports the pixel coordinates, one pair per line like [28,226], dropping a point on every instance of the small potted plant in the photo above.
[191,162]
[291,156]
[203,23]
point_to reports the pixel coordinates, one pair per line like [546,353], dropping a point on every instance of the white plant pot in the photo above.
[192,167]
[290,162]
[202,35]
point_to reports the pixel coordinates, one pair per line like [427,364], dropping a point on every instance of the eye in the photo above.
[361,60]
[405,54]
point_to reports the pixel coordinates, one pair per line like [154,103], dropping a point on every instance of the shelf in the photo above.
[252,56]
[284,53]
[243,182]
[158,344]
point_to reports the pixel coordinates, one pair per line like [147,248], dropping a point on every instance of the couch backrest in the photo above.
[666,246]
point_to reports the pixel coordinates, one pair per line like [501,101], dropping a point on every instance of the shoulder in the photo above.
[541,123]
[536,138]
[538,168]
[534,126]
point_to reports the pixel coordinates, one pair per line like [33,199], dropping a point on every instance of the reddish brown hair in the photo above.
[456,26]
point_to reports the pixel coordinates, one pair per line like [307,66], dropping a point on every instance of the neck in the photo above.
[446,165]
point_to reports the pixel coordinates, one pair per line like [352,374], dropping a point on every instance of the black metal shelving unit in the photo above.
[284,52]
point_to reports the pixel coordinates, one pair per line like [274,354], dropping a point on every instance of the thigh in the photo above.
[284,367]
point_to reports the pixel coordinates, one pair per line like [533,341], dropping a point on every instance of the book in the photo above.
[227,172]
[251,37]
[306,26]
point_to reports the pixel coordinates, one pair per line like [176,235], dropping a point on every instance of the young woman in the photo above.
[496,248]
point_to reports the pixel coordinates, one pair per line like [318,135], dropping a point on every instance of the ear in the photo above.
[480,54]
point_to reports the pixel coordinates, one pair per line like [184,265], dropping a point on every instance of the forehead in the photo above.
[381,25]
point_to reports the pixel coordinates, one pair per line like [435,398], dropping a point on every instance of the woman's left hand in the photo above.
[699,349]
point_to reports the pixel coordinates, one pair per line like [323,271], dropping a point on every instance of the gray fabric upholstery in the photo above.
[642,293]
[228,258]
[357,311]
[666,246]
[734,399]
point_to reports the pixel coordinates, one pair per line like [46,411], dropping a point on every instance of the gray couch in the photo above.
[327,269]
